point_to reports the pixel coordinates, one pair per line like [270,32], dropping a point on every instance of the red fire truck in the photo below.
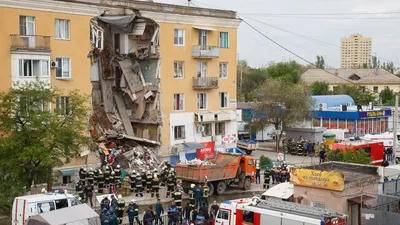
[274,212]
[374,149]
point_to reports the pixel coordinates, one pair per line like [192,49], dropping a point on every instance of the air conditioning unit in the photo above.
[348,104]
[54,64]
[322,106]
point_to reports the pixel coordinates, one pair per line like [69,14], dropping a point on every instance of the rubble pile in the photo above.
[197,162]
[126,87]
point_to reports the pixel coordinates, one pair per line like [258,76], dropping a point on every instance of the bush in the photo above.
[264,162]
[359,157]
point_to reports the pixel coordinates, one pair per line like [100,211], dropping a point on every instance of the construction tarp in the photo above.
[68,172]
[124,23]
[75,215]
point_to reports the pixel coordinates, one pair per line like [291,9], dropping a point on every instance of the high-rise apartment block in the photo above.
[355,51]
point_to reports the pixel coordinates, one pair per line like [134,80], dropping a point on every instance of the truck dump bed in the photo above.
[226,167]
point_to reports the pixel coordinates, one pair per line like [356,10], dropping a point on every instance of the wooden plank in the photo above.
[133,79]
[124,115]
[107,96]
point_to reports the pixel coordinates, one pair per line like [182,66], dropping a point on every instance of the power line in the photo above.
[298,56]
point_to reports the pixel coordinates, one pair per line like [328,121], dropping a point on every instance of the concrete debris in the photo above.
[126,89]
[197,162]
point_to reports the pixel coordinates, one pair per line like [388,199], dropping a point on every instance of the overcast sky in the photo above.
[258,51]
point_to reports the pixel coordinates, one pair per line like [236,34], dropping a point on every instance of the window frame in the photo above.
[205,133]
[178,38]
[63,103]
[205,98]
[221,95]
[26,26]
[218,126]
[62,70]
[182,137]
[21,67]
[377,89]
[176,63]
[222,43]
[56,31]
[221,65]
[182,99]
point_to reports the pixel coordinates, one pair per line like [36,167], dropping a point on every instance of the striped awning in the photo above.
[68,172]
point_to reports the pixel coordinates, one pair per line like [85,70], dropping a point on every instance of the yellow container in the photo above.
[329,140]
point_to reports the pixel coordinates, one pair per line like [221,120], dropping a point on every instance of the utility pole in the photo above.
[396,121]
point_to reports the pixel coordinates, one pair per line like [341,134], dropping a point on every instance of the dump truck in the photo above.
[225,170]
[247,145]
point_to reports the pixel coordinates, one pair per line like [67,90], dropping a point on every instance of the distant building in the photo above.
[355,51]
[373,79]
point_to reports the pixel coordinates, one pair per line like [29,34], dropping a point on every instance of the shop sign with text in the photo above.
[317,179]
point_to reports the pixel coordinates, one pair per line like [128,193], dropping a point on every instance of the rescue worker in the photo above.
[159,212]
[121,208]
[273,174]
[136,208]
[112,182]
[278,175]
[144,177]
[258,175]
[198,195]
[267,177]
[114,201]
[139,185]
[170,182]
[89,193]
[105,203]
[113,217]
[82,176]
[105,218]
[148,216]
[206,191]
[100,182]
[192,200]
[163,176]
[149,179]
[107,174]
[95,175]
[155,173]
[117,177]
[131,213]
[155,187]
[186,213]
[177,195]
[90,176]
[132,178]
[79,190]
[172,214]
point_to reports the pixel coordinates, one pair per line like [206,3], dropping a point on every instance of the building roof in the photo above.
[332,100]
[348,76]
[354,174]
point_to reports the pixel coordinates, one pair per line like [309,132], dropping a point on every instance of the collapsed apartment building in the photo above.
[126,86]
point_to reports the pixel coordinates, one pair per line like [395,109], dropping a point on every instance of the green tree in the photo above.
[389,67]
[361,95]
[349,156]
[33,138]
[281,104]
[252,80]
[264,162]
[375,62]
[387,96]
[320,88]
[285,71]
[320,63]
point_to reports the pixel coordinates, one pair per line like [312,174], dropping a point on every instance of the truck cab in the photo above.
[248,167]
[26,206]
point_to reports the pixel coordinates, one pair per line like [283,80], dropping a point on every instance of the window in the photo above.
[61,203]
[223,99]
[45,207]
[202,69]
[62,29]
[96,37]
[202,100]
[178,102]
[66,179]
[223,70]
[63,103]
[224,40]
[179,132]
[220,128]
[207,130]
[64,67]
[248,217]
[203,37]
[223,214]
[376,89]
[30,68]
[179,37]
[117,44]
[179,67]
[26,25]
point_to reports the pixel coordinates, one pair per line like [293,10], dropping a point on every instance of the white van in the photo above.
[30,205]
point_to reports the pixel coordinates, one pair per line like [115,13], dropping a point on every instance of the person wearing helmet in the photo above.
[79,190]
[132,178]
[107,174]
[170,182]
[177,196]
[100,181]
[112,182]
[267,177]
[138,185]
[273,174]
[149,179]
[105,203]
[82,176]
[89,189]
[144,177]
[117,176]
[121,208]
[155,187]
[136,211]
[90,176]
[192,200]
[206,192]
[131,213]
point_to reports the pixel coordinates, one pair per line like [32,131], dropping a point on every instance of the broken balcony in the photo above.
[203,83]
[30,43]
[201,51]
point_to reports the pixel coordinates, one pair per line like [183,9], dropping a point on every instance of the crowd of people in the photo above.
[304,147]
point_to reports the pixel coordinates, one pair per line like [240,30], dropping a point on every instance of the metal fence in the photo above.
[170,220]
[391,187]
[375,217]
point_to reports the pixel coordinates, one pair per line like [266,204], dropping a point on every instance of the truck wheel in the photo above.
[221,187]
[212,189]
[247,183]
[248,152]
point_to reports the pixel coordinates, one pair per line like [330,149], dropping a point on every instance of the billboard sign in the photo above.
[207,152]
[317,179]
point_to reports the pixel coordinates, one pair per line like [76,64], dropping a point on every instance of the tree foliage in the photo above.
[285,71]
[264,162]
[320,63]
[361,95]
[34,138]
[375,62]
[387,96]
[349,156]
[281,104]
[320,88]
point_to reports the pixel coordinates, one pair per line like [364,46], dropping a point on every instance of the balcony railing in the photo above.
[30,43]
[200,51]
[205,83]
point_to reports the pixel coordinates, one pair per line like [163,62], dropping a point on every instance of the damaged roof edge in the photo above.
[160,7]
